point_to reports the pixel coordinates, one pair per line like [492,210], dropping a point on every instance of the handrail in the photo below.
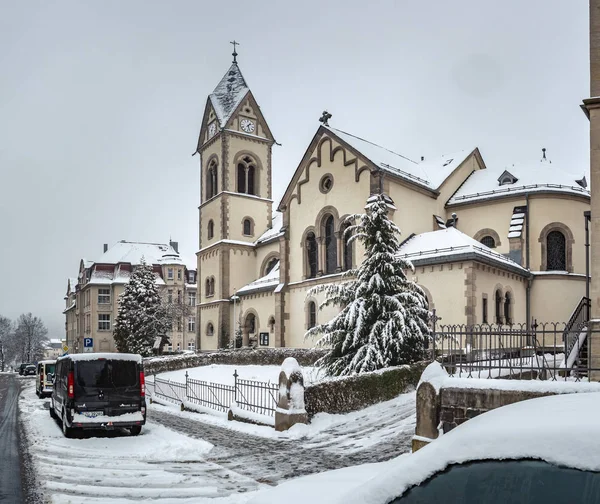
[578,319]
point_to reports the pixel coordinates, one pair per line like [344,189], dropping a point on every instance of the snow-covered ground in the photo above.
[160,465]
[223,373]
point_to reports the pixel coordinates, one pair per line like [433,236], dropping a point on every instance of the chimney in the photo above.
[105,247]
[422,158]
[175,246]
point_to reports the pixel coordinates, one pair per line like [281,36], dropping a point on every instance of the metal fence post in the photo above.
[187,396]
[235,377]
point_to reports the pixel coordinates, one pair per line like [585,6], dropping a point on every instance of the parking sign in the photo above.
[88,342]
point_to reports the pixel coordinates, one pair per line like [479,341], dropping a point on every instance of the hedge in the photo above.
[353,393]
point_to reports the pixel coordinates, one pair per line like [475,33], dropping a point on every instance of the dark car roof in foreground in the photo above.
[562,430]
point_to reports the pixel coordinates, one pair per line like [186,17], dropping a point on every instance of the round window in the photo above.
[326,183]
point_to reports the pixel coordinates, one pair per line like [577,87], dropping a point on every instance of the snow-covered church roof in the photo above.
[268,282]
[228,94]
[450,244]
[430,173]
[519,179]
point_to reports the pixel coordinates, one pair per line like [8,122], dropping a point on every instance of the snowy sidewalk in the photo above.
[374,434]
[160,465]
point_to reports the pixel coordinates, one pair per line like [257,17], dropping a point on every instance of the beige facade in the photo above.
[517,234]
[92,300]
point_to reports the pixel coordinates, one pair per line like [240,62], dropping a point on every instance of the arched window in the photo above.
[311,255]
[207,287]
[211,180]
[556,251]
[211,229]
[251,179]
[270,265]
[210,330]
[312,314]
[498,300]
[330,246]
[246,175]
[247,227]
[212,286]
[241,178]
[347,248]
[488,241]
[507,318]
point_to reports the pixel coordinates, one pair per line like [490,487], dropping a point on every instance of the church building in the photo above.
[489,244]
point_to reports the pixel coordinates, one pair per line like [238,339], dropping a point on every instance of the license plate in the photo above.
[92,414]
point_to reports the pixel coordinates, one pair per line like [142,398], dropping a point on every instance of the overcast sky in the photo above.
[101,103]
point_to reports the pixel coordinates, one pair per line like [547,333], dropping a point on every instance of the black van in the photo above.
[99,391]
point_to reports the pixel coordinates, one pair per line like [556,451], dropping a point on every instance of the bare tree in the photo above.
[30,338]
[6,341]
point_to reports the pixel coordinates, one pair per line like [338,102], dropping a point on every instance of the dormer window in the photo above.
[507,178]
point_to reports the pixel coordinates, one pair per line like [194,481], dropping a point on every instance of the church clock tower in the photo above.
[235,145]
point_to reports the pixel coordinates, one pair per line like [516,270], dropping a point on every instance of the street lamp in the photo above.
[235,299]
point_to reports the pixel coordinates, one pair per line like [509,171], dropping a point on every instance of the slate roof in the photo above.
[228,94]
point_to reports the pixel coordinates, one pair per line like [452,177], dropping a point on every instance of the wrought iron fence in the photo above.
[552,351]
[250,395]
[259,397]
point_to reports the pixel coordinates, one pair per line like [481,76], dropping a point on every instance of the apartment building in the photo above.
[92,299]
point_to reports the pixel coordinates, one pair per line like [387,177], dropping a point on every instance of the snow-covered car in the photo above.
[544,450]
[99,391]
[44,378]
[22,367]
[30,369]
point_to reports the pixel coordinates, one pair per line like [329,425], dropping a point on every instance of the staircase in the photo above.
[576,341]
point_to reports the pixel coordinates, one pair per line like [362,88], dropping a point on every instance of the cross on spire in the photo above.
[234,43]
[325,118]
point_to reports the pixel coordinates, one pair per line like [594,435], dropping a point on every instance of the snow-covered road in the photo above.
[160,465]
[184,457]
[377,433]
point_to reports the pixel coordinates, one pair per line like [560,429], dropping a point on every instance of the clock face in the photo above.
[247,125]
[212,129]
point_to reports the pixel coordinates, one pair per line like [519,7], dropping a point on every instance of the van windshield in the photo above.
[107,373]
[50,368]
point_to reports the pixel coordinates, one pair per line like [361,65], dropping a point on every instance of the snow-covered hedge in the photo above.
[352,393]
[240,357]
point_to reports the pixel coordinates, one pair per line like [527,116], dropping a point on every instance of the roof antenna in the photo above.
[234,53]
[544,158]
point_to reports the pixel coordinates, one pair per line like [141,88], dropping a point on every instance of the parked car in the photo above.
[99,391]
[23,366]
[539,451]
[30,369]
[44,378]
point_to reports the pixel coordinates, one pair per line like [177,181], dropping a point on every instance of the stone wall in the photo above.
[457,405]
[240,357]
[444,402]
[357,392]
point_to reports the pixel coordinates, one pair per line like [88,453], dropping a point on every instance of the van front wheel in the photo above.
[135,430]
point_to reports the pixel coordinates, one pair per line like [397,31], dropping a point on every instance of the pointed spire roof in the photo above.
[228,94]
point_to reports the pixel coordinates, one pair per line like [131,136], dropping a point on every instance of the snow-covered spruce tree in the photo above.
[141,317]
[384,317]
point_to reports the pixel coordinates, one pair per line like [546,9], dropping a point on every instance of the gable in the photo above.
[249,110]
[324,147]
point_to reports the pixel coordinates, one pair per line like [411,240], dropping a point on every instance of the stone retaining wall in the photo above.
[240,357]
[353,393]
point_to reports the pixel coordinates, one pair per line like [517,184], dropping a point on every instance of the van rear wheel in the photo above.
[67,431]
[135,430]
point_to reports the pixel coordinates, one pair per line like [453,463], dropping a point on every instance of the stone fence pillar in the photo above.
[428,416]
[290,406]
